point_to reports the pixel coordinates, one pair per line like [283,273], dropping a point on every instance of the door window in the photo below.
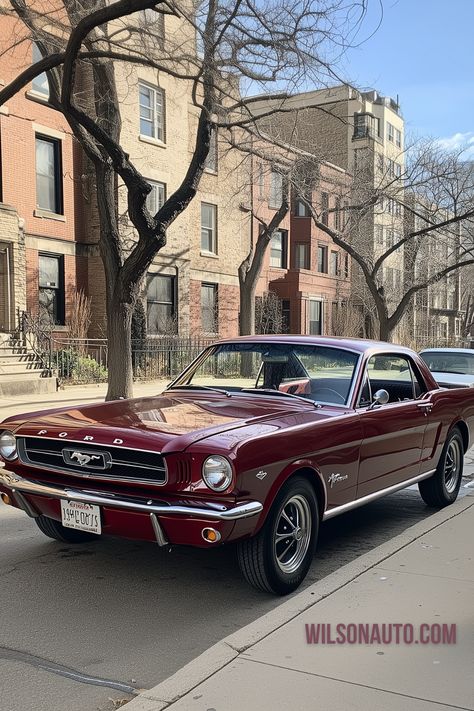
[393,373]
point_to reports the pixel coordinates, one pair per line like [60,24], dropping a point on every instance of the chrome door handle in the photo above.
[425,406]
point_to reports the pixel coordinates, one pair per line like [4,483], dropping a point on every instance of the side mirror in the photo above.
[381,397]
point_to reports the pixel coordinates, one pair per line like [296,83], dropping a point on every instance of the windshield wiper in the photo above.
[199,387]
[270,391]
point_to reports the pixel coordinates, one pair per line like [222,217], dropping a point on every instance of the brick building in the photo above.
[41,225]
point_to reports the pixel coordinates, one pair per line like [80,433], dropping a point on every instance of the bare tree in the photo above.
[430,239]
[275,44]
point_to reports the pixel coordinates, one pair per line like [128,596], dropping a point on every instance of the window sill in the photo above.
[212,255]
[38,97]
[47,215]
[209,171]
[151,141]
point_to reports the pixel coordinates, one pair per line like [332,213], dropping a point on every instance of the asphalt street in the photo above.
[83,625]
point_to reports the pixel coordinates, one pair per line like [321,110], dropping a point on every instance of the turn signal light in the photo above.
[211,535]
[6,499]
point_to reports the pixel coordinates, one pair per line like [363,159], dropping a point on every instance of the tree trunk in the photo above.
[385,332]
[247,308]
[119,326]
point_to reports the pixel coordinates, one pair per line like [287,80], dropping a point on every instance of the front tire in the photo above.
[53,529]
[442,488]
[277,559]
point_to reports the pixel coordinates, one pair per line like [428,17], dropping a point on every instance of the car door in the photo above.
[393,433]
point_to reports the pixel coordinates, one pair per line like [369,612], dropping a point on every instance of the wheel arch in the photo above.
[301,468]
[464,430]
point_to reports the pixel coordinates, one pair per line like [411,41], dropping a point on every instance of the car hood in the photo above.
[453,380]
[168,422]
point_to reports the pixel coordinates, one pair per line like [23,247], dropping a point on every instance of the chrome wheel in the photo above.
[452,466]
[292,534]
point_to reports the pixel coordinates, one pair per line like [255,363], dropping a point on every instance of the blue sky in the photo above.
[424,52]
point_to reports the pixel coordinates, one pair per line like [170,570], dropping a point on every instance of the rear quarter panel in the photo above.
[450,407]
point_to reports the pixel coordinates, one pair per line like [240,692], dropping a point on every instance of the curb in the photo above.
[222,653]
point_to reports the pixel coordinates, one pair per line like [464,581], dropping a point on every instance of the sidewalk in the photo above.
[425,575]
[71,395]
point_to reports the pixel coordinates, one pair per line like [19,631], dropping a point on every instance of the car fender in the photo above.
[308,465]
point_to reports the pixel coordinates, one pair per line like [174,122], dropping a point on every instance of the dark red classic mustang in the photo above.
[257,441]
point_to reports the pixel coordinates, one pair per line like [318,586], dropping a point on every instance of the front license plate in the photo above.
[84,517]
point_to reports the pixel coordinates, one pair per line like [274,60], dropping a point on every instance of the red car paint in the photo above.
[266,438]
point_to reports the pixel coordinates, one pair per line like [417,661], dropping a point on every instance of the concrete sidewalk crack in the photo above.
[16,655]
[355,683]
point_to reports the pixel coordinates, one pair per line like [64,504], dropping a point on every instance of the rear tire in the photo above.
[53,529]
[442,488]
[278,558]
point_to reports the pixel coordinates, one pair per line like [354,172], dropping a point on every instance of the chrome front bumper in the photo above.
[215,512]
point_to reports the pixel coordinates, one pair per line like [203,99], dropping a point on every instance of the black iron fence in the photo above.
[85,360]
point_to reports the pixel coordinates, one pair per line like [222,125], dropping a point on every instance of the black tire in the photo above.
[53,529]
[258,557]
[442,488]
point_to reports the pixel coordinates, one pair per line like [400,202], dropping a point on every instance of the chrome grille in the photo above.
[130,465]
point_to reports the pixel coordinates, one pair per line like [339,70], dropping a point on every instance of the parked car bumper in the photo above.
[133,518]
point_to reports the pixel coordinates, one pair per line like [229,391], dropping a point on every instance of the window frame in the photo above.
[321,316]
[306,255]
[157,127]
[324,250]
[56,143]
[173,302]
[155,184]
[59,290]
[36,56]
[215,290]
[275,196]
[212,230]
[283,262]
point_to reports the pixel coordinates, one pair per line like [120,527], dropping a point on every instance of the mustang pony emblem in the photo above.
[84,459]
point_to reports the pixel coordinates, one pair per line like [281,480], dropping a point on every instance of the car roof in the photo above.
[462,351]
[359,345]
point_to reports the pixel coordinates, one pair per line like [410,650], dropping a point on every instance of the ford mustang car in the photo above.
[256,442]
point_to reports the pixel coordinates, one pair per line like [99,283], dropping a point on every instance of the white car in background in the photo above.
[451,367]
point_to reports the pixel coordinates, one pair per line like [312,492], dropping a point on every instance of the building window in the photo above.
[261,181]
[209,228]
[394,168]
[278,249]
[40,83]
[366,126]
[379,236]
[49,183]
[324,208]
[346,266]
[398,138]
[335,271]
[301,208]
[161,304]
[390,132]
[315,317]
[51,289]
[338,214]
[302,254]
[211,160]
[276,189]
[156,198]
[322,259]
[152,112]
[209,315]
[153,23]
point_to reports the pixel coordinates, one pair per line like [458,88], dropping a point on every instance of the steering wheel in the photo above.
[328,390]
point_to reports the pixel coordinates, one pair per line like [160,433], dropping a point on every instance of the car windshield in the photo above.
[316,373]
[446,362]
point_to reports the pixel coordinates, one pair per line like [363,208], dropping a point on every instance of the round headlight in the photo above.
[217,473]
[8,446]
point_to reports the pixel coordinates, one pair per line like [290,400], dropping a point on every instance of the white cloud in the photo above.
[459,141]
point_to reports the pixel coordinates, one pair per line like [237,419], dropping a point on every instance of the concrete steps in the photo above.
[21,371]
